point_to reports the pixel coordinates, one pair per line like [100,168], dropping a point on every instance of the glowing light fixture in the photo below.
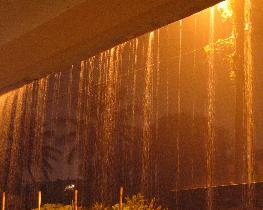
[225,9]
[70,187]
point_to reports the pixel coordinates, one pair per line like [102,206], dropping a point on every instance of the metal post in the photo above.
[121,198]
[39,200]
[3,201]
[76,200]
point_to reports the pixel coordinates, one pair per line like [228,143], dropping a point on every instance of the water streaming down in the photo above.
[54,106]
[248,109]
[211,110]
[193,105]
[14,166]
[160,114]
[179,112]
[68,117]
[147,116]
[156,109]
[38,151]
[109,117]
[9,172]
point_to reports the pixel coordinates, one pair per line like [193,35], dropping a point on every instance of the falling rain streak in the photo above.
[147,115]
[211,109]
[248,77]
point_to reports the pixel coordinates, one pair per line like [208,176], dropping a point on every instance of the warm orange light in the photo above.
[225,9]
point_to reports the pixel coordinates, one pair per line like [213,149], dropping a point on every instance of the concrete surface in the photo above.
[21,16]
[82,31]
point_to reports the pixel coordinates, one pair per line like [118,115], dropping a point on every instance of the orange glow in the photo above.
[225,9]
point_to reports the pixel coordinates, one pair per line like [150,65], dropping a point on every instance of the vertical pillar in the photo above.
[121,198]
[76,200]
[3,201]
[39,200]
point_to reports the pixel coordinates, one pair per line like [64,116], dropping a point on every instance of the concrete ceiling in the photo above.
[40,37]
[21,16]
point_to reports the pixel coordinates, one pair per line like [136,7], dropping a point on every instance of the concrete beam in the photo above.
[21,16]
[83,31]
